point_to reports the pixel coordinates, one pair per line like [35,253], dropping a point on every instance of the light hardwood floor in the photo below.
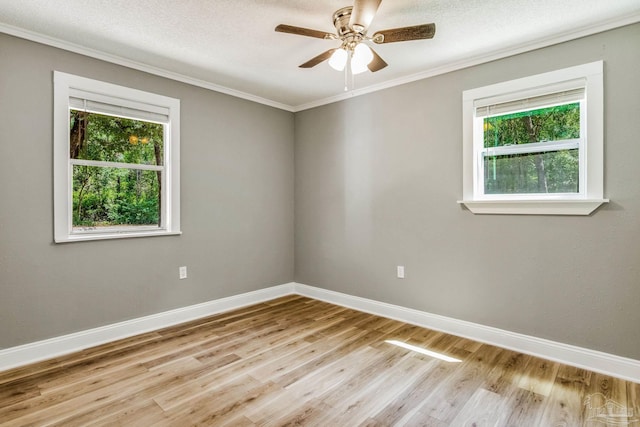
[298,361]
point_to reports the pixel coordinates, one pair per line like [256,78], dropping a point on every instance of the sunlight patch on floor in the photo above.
[423,351]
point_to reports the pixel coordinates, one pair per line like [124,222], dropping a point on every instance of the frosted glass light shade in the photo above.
[362,56]
[338,59]
[363,53]
[357,67]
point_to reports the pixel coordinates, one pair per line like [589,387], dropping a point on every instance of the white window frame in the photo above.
[588,77]
[66,88]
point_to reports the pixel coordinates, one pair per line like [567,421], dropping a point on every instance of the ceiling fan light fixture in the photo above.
[362,53]
[352,23]
[361,57]
[338,59]
[357,67]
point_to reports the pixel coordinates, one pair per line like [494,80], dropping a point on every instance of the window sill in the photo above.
[533,207]
[108,236]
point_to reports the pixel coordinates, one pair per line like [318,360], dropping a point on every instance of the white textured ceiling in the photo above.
[231,44]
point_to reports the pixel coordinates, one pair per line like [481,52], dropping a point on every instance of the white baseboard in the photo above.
[609,364]
[66,344]
[628,369]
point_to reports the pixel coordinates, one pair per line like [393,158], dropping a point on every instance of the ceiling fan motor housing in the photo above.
[350,37]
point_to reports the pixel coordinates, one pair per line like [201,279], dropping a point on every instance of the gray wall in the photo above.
[237,206]
[378,176]
[376,183]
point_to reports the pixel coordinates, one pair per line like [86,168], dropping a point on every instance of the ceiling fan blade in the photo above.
[417,32]
[318,59]
[376,63]
[363,13]
[282,28]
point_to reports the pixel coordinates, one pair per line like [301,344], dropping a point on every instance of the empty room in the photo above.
[327,213]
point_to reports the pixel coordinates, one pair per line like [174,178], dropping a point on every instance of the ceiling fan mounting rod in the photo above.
[341,18]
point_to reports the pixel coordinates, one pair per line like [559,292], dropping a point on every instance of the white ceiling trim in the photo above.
[481,59]
[114,59]
[544,42]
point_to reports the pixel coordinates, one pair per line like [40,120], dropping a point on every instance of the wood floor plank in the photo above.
[372,371]
[281,364]
[285,299]
[240,343]
[565,402]
[38,373]
[283,334]
[47,402]
[58,406]
[524,407]
[507,372]
[299,361]
[606,402]
[329,377]
[452,393]
[124,412]
[55,366]
[330,354]
[311,413]
[217,402]
[412,399]
[237,414]
[370,422]
[633,401]
[539,377]
[202,383]
[270,407]
[423,420]
[483,408]
[354,410]
[18,393]
[144,414]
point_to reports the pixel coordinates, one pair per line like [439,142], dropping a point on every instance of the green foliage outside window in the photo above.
[115,196]
[554,171]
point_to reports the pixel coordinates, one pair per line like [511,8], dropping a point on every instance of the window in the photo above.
[116,161]
[535,145]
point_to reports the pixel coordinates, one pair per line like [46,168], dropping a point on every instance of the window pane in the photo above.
[114,139]
[550,172]
[104,198]
[537,125]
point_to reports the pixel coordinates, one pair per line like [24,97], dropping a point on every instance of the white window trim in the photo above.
[65,85]
[592,152]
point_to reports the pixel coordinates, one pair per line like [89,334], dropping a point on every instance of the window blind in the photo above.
[564,97]
[109,105]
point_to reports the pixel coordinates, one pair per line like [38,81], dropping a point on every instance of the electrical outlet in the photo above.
[182,271]
[400,271]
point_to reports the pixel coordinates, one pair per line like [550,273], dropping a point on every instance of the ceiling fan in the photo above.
[352,24]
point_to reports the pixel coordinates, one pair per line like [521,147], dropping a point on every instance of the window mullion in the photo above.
[535,147]
[97,163]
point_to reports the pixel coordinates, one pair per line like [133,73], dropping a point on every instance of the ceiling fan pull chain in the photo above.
[346,77]
[353,81]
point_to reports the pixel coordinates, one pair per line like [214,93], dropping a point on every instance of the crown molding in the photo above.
[140,66]
[481,59]
[458,65]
